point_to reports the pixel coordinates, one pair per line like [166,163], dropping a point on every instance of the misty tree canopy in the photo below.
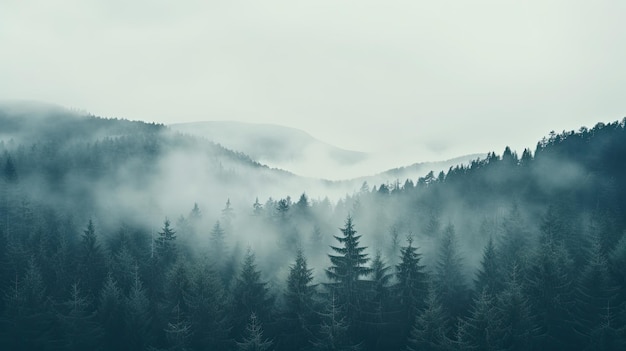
[504,253]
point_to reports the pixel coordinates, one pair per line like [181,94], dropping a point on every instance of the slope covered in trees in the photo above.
[508,253]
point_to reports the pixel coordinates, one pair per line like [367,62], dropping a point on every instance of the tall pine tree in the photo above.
[348,266]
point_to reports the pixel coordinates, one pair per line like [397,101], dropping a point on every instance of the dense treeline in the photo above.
[507,253]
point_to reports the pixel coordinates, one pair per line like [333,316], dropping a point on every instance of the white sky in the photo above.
[426,79]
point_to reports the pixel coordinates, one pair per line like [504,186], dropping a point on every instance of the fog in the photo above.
[189,170]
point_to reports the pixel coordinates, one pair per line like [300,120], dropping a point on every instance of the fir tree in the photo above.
[111,315]
[489,277]
[594,295]
[257,207]
[217,248]
[204,300]
[515,325]
[300,292]
[27,319]
[449,281]
[91,266]
[482,323]
[253,339]
[377,330]
[411,289]
[513,246]
[333,332]
[137,318]
[429,331]
[249,294]
[550,291]
[78,321]
[178,330]
[165,244]
[228,214]
[348,266]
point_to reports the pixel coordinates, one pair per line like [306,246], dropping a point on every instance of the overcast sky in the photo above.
[429,79]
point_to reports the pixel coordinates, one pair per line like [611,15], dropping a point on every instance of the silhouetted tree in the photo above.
[166,245]
[348,266]
[449,281]
[249,294]
[411,288]
[91,262]
[253,339]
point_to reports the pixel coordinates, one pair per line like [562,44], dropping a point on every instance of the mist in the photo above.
[126,184]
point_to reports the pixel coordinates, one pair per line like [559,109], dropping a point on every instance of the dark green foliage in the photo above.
[9,172]
[483,322]
[253,339]
[137,314]
[553,277]
[78,320]
[177,330]
[249,295]
[515,328]
[217,248]
[594,295]
[449,280]
[165,245]
[91,262]
[299,317]
[300,292]
[377,308]
[206,310]
[111,311]
[550,290]
[333,331]
[28,320]
[489,277]
[430,328]
[348,266]
[411,288]
[514,243]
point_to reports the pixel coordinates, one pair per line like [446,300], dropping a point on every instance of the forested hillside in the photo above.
[105,243]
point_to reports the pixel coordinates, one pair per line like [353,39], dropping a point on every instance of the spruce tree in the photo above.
[300,292]
[253,339]
[91,264]
[299,314]
[515,326]
[449,281]
[489,276]
[77,319]
[429,331]
[550,290]
[333,331]
[411,288]
[137,317]
[249,294]
[595,294]
[166,245]
[207,317]
[482,323]
[111,315]
[377,317]
[348,266]
[27,320]
[513,246]
[178,330]
[217,248]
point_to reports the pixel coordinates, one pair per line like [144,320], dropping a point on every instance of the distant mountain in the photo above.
[88,164]
[277,146]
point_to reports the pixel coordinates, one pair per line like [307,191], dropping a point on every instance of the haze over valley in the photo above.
[312,175]
[106,221]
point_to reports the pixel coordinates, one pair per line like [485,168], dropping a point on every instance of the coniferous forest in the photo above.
[112,237]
